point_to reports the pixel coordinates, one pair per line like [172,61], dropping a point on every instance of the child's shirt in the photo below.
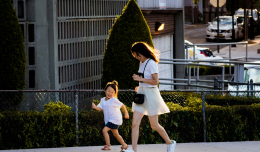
[111,109]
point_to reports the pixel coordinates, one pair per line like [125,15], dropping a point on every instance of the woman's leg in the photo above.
[105,133]
[157,127]
[119,138]
[137,117]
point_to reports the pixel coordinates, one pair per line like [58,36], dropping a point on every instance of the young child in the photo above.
[112,114]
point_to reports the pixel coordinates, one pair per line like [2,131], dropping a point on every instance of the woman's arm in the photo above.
[125,111]
[154,81]
[95,107]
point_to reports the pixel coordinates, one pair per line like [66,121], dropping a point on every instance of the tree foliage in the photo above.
[118,63]
[12,58]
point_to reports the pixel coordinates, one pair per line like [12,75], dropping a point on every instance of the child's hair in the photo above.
[114,85]
[146,50]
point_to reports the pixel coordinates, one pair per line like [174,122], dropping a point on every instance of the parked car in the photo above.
[200,52]
[256,17]
[240,12]
[255,26]
[225,28]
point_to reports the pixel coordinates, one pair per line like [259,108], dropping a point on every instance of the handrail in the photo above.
[211,61]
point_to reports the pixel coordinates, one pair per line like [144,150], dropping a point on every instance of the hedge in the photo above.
[184,124]
[118,62]
[12,58]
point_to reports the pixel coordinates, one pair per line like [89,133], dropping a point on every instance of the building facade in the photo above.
[204,7]
[65,39]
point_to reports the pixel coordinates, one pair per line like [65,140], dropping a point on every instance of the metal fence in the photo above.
[81,100]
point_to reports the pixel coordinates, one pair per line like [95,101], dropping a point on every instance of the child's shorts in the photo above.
[111,125]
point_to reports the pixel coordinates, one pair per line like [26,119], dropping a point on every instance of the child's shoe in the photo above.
[171,147]
[106,147]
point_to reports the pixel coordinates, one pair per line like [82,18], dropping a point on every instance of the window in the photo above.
[31,79]
[31,56]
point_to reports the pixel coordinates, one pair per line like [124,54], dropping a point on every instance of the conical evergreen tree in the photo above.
[118,63]
[12,53]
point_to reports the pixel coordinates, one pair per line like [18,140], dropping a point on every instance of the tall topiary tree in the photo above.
[12,54]
[118,62]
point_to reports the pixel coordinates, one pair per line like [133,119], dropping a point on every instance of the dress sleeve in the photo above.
[117,103]
[100,104]
[153,67]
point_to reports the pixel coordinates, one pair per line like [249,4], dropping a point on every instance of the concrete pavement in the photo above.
[240,50]
[245,146]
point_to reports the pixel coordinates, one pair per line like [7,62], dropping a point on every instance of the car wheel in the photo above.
[208,40]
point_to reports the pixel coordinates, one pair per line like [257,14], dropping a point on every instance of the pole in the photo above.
[245,21]
[252,26]
[218,23]
[233,30]
[77,119]
[204,116]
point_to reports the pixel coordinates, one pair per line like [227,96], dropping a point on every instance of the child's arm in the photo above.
[95,107]
[125,111]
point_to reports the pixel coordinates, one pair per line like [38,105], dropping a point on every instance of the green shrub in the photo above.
[13,59]
[54,128]
[118,62]
[56,107]
[227,100]
[36,129]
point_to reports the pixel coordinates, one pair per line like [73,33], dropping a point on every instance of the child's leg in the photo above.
[105,133]
[119,138]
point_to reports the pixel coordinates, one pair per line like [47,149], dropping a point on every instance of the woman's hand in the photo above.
[137,77]
[136,88]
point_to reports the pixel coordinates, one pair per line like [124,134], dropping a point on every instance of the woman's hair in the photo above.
[114,85]
[146,50]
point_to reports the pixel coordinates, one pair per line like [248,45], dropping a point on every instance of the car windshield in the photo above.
[223,21]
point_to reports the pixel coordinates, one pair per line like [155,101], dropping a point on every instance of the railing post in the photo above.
[189,76]
[229,52]
[204,116]
[193,59]
[246,51]
[251,87]
[77,117]
[223,77]
[197,78]
[247,88]
[216,86]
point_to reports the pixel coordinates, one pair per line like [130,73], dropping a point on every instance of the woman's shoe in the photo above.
[129,150]
[171,147]
[106,147]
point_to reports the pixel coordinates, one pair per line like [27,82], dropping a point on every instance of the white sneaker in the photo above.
[171,147]
[128,150]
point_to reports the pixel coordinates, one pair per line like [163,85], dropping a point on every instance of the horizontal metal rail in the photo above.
[209,81]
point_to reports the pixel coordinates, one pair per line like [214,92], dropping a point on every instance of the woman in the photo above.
[153,104]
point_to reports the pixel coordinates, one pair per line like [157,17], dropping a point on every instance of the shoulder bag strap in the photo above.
[146,65]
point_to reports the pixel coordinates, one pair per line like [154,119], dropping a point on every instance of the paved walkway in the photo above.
[246,146]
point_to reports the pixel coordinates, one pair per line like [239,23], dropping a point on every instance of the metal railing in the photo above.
[197,63]
[189,80]
[229,44]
